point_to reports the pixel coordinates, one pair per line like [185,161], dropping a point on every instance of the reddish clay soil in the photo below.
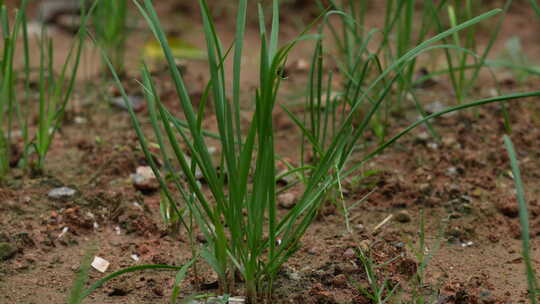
[460,187]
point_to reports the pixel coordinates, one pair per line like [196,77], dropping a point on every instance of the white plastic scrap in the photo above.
[117,229]
[100,264]
[135,257]
[80,120]
[138,206]
[64,231]
[467,244]
[433,146]
[232,300]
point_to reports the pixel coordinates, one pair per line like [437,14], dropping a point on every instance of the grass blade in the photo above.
[524,221]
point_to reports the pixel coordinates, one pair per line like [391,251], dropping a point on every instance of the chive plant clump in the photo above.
[54,90]
[236,209]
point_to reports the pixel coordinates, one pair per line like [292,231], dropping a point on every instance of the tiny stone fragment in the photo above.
[423,136]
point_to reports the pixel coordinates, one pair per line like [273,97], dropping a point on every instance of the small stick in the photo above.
[388,218]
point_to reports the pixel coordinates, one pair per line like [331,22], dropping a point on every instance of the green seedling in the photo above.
[467,51]
[180,275]
[378,291]
[423,256]
[76,294]
[358,64]
[110,22]
[515,59]
[336,134]
[55,91]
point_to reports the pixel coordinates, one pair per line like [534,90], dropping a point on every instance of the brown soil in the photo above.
[460,187]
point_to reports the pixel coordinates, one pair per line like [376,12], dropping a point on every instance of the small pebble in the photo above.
[233,300]
[423,136]
[301,65]
[403,217]
[61,193]
[136,102]
[455,215]
[467,208]
[451,171]
[359,228]
[158,291]
[477,192]
[49,10]
[455,233]
[424,187]
[349,253]
[201,238]
[80,120]
[449,141]
[7,251]
[365,245]
[312,251]
[340,280]
[487,298]
[144,179]
[287,200]
[437,106]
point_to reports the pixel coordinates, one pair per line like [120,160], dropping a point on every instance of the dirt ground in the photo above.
[460,187]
